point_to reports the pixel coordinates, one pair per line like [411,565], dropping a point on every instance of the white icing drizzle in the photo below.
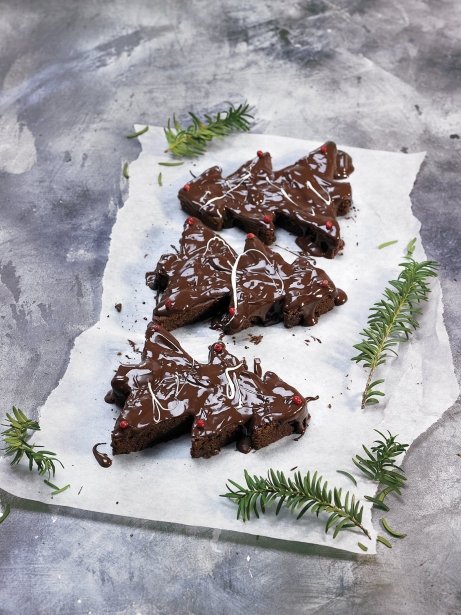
[156,404]
[308,183]
[287,196]
[215,238]
[175,346]
[217,198]
[230,387]
[176,377]
[234,276]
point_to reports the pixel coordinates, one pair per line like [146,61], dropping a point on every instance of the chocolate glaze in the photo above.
[305,198]
[206,277]
[104,460]
[169,393]
[195,279]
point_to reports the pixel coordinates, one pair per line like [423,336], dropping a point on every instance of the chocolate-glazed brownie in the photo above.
[168,394]
[206,277]
[304,198]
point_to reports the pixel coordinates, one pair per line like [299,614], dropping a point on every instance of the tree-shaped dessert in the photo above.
[206,278]
[169,393]
[304,198]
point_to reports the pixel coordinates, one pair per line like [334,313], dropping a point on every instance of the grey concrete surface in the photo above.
[75,76]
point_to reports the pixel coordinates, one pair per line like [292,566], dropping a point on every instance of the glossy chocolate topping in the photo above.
[102,458]
[206,277]
[169,393]
[305,198]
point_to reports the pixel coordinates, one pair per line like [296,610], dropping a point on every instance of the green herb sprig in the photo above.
[192,141]
[308,493]
[380,464]
[16,438]
[393,319]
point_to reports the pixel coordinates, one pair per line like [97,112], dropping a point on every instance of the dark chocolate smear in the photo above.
[104,460]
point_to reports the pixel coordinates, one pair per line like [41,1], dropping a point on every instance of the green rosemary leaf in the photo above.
[159,180]
[392,532]
[348,476]
[125,173]
[192,141]
[362,546]
[411,247]
[387,243]
[377,503]
[392,319]
[138,134]
[6,512]
[384,541]
[47,482]
[299,494]
[171,164]
[57,491]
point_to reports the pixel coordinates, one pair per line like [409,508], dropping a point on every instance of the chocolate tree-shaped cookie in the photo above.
[305,198]
[195,281]
[257,287]
[168,394]
[266,290]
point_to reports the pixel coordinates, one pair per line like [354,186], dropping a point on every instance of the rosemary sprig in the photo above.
[16,438]
[379,465]
[192,141]
[393,319]
[308,493]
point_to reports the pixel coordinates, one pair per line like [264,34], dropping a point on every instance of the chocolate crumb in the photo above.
[255,339]
[118,307]
[134,347]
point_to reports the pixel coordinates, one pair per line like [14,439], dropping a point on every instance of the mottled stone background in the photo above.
[75,77]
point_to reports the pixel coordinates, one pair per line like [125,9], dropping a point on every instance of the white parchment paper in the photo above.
[164,483]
